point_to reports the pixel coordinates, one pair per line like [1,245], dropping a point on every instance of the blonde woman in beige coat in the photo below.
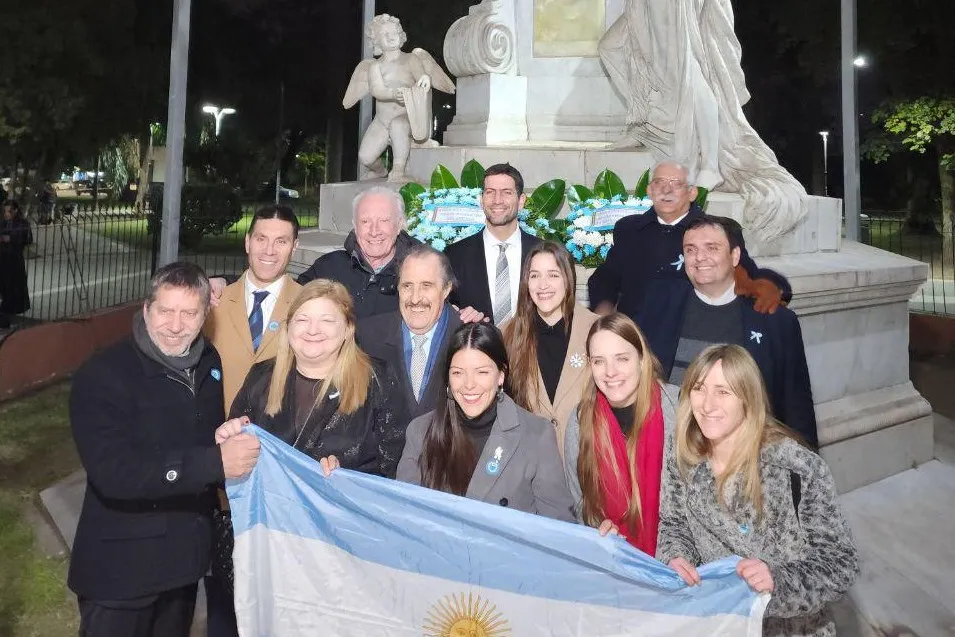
[547,338]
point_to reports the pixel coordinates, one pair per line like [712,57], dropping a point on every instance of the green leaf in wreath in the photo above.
[608,185]
[641,190]
[409,192]
[548,198]
[701,194]
[442,178]
[472,175]
[578,194]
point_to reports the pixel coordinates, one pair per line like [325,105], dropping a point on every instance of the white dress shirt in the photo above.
[723,299]
[673,223]
[274,289]
[513,252]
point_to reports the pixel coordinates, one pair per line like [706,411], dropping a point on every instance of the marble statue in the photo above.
[677,65]
[401,84]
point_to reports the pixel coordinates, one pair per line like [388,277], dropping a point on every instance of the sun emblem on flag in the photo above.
[465,616]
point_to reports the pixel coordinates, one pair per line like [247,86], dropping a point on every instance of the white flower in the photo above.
[576,361]
[582,222]
[609,238]
[632,202]
[598,204]
[579,237]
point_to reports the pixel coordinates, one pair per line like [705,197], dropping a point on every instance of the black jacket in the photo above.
[774,341]
[636,259]
[381,337]
[14,293]
[369,440]
[470,269]
[147,441]
[373,293]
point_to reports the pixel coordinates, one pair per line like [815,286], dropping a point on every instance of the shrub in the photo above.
[205,209]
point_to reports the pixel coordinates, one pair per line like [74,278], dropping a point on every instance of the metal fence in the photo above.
[90,257]
[937,250]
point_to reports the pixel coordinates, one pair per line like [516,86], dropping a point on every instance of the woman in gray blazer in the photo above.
[741,485]
[478,443]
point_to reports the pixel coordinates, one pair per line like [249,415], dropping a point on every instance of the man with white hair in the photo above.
[367,265]
[649,247]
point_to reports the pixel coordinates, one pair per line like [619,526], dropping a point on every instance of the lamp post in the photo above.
[852,195]
[825,161]
[218,114]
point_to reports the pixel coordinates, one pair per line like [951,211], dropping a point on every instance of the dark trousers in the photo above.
[220,608]
[168,614]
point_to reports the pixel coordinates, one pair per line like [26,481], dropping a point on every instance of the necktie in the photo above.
[502,287]
[255,318]
[418,362]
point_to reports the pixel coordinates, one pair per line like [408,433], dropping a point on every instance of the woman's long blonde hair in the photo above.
[593,427]
[520,335]
[352,371]
[757,429]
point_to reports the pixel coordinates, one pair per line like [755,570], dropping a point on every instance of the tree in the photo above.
[924,125]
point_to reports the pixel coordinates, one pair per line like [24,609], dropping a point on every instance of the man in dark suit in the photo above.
[681,321]
[413,341]
[648,247]
[144,414]
[488,264]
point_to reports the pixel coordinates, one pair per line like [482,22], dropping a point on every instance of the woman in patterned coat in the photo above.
[740,484]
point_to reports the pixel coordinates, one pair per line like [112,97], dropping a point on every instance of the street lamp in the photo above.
[825,161]
[218,113]
[860,61]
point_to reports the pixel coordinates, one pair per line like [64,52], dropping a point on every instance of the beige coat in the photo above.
[227,328]
[573,376]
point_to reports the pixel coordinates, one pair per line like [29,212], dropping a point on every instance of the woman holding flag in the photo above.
[478,443]
[619,437]
[739,484]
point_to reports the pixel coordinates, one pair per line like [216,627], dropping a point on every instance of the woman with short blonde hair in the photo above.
[740,484]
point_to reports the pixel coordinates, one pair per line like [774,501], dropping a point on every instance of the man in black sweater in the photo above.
[684,320]
[649,247]
[144,414]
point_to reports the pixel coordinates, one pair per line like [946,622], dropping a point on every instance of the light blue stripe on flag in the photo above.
[400,550]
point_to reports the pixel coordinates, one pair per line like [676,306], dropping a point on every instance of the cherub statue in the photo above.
[401,84]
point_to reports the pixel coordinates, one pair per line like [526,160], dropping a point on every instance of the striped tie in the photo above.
[256,319]
[502,288]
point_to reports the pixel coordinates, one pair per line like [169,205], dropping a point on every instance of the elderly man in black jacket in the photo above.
[682,321]
[648,247]
[144,415]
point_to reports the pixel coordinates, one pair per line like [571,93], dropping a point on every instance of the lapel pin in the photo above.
[334,395]
[756,336]
[216,374]
[744,529]
[678,264]
[273,326]
[498,454]
[576,361]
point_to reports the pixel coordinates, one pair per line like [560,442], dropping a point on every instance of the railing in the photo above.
[86,259]
[936,249]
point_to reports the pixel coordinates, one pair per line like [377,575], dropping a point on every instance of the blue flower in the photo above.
[589,250]
[522,215]
[542,223]
[449,232]
[526,228]
[440,192]
[577,255]
[439,244]
[604,249]
[571,246]
[428,230]
[424,195]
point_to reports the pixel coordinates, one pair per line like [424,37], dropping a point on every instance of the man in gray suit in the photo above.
[413,341]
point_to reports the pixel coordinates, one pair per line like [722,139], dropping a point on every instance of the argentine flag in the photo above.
[354,555]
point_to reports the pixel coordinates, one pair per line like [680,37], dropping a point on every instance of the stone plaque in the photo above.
[452,215]
[568,28]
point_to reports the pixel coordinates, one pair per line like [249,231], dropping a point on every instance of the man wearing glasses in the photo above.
[649,247]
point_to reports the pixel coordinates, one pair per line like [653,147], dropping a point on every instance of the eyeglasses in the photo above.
[676,184]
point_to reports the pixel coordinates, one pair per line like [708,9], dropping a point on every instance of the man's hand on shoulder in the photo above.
[217,286]
[766,295]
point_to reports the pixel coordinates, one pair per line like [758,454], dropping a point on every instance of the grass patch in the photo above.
[135,233]
[37,450]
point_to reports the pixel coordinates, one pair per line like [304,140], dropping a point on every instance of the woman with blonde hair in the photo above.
[546,339]
[322,394]
[739,484]
[618,439]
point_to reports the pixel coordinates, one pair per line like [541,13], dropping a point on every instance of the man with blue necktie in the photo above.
[414,339]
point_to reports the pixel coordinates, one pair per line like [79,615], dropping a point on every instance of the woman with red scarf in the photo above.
[617,439]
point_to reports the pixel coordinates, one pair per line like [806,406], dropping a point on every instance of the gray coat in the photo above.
[669,399]
[529,477]
[810,552]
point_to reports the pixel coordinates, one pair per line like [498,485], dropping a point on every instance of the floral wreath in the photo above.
[421,205]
